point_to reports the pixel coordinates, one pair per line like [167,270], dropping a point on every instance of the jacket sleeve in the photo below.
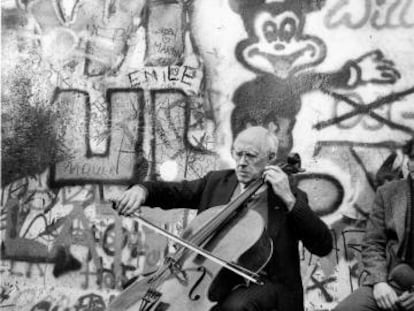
[309,228]
[170,195]
[344,78]
[374,243]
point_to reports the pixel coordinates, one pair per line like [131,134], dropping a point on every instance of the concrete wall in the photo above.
[99,94]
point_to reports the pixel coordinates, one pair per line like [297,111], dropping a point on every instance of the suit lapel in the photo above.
[276,213]
[400,203]
[225,191]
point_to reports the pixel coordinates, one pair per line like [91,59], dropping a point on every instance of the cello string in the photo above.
[202,252]
[218,220]
[212,225]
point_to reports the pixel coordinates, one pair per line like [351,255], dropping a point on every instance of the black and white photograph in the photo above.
[207,155]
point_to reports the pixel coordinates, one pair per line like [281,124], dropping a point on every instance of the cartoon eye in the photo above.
[270,31]
[287,29]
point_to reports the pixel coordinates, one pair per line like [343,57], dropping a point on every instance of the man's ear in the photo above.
[271,156]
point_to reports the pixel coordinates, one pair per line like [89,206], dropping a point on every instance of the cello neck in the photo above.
[230,208]
[228,211]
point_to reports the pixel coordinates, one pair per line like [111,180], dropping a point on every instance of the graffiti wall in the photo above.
[97,95]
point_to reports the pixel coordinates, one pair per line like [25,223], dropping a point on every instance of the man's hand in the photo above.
[385,296]
[280,184]
[131,200]
[406,301]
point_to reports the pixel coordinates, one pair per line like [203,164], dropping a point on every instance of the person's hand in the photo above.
[385,296]
[280,184]
[406,301]
[131,200]
[374,67]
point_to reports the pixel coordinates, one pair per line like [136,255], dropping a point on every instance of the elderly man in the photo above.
[286,214]
[388,249]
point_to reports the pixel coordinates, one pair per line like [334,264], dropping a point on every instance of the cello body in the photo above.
[188,281]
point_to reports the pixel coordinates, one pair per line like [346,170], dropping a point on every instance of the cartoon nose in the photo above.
[278,46]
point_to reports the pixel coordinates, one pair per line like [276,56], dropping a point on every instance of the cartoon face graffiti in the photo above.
[281,48]
[281,54]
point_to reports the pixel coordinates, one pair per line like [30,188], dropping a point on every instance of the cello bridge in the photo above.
[150,298]
[177,270]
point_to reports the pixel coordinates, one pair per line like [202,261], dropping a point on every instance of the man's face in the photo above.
[250,160]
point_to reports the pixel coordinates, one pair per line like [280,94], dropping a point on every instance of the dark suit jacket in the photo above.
[385,230]
[285,228]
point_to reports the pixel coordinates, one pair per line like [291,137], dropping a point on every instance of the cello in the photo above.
[222,246]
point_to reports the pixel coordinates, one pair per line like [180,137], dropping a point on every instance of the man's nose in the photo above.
[242,160]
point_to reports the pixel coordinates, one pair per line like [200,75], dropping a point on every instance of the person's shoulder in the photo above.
[219,174]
